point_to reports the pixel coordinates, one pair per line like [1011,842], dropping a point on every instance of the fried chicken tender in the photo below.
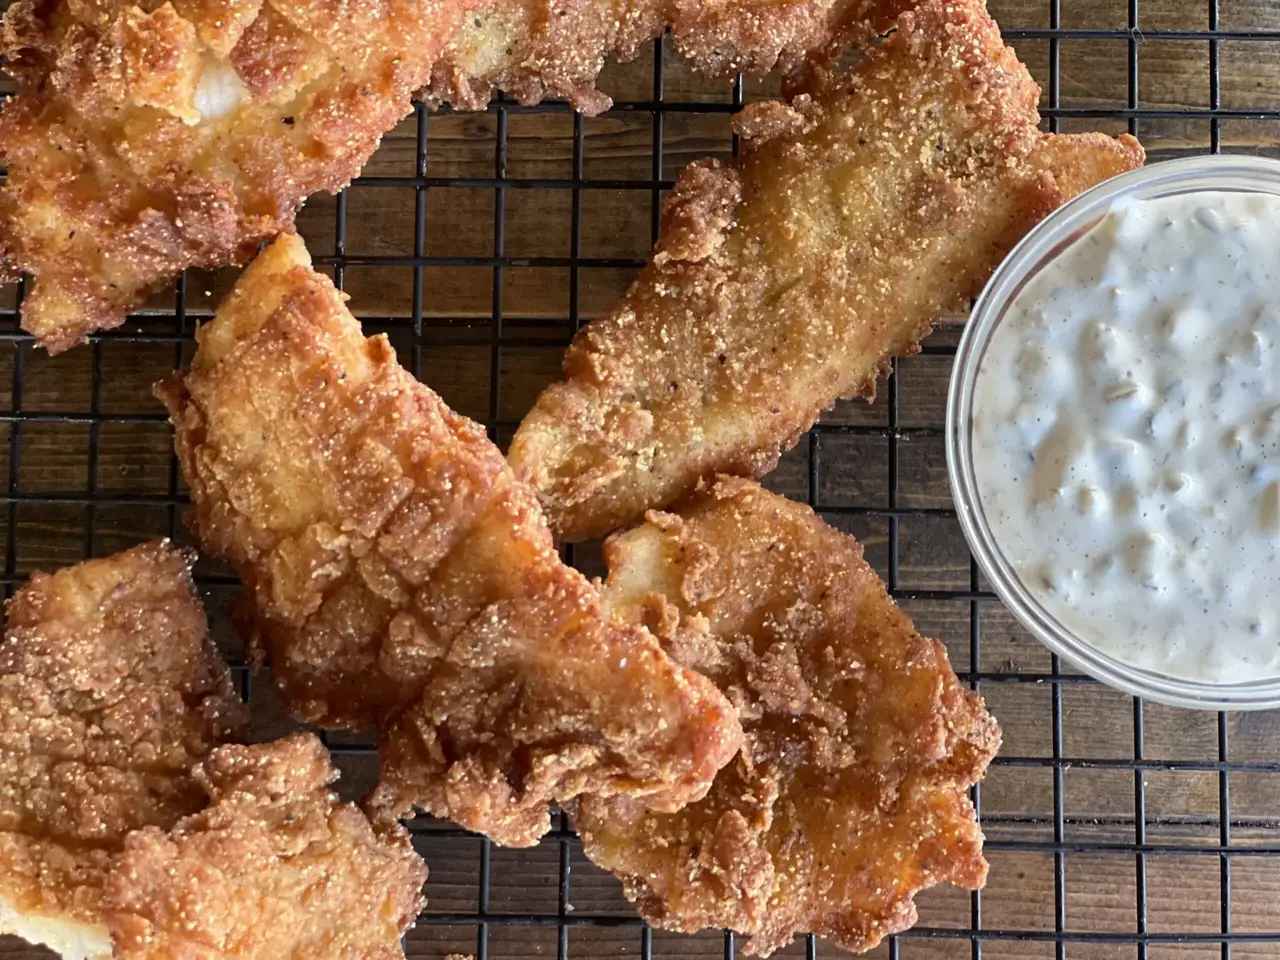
[146,139]
[787,279]
[275,867]
[110,691]
[398,576]
[850,792]
[534,49]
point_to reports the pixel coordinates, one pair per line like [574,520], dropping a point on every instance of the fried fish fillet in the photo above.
[275,867]
[110,691]
[787,279]
[534,49]
[145,139]
[850,792]
[397,575]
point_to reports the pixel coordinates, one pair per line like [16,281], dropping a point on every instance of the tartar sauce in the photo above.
[1126,435]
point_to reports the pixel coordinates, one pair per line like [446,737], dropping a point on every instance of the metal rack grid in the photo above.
[969,931]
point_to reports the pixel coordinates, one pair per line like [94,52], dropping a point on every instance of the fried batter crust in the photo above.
[275,867]
[787,279]
[147,139]
[535,49]
[110,691]
[850,792]
[397,575]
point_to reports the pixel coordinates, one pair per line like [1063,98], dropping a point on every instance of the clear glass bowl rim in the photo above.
[1168,178]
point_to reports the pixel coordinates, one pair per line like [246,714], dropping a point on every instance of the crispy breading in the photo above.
[397,575]
[850,792]
[274,868]
[110,691]
[787,279]
[144,140]
[534,49]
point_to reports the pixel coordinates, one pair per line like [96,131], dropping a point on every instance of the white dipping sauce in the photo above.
[1126,436]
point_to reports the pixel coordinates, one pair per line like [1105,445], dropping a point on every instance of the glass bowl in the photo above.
[1041,245]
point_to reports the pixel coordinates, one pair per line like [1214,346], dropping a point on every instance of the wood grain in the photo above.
[527,273]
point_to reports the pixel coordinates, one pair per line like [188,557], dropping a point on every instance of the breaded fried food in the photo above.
[110,691]
[398,576]
[147,139]
[787,279]
[274,868]
[535,49]
[850,792]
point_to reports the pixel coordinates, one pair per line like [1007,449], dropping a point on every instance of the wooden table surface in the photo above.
[62,504]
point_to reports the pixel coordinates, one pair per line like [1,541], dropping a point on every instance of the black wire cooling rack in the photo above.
[1115,828]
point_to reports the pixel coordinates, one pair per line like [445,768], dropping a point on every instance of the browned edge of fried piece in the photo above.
[398,576]
[789,277]
[1080,161]
[850,793]
[539,49]
[145,140]
[275,867]
[110,691]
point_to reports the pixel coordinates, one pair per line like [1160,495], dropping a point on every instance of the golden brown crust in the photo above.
[535,49]
[787,279]
[1084,160]
[110,691]
[398,575]
[219,23]
[275,867]
[850,793]
[145,140]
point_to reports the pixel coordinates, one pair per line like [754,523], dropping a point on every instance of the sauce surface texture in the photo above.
[1126,435]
